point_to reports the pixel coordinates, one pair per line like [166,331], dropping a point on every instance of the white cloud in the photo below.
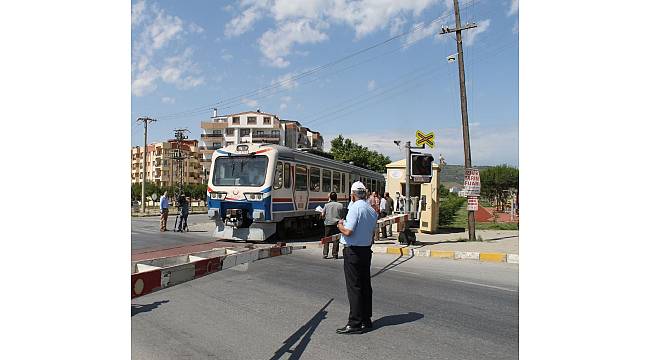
[397,26]
[481,27]
[420,31]
[278,43]
[283,106]
[249,102]
[286,98]
[225,55]
[243,23]
[286,81]
[514,7]
[158,32]
[168,100]
[136,12]
[305,21]
[372,84]
[196,28]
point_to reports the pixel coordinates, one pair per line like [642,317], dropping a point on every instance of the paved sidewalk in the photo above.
[497,246]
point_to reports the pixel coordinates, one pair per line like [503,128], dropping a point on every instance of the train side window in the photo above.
[279,177]
[336,183]
[314,179]
[287,175]
[327,181]
[301,178]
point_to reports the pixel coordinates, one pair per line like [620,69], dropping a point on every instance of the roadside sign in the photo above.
[154,196]
[472,183]
[424,139]
[472,203]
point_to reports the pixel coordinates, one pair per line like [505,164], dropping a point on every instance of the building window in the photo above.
[314,179]
[228,143]
[217,132]
[287,175]
[275,132]
[259,132]
[251,120]
[278,180]
[244,132]
[230,132]
[327,181]
[301,178]
[235,120]
[267,120]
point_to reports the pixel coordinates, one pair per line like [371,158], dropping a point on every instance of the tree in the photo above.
[345,150]
[497,180]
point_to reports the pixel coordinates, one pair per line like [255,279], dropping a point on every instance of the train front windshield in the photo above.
[240,170]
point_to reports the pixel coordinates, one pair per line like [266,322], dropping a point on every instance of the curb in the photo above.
[453,255]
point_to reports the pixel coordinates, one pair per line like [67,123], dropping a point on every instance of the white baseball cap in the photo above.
[357,186]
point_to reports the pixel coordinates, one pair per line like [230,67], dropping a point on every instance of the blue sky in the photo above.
[190,56]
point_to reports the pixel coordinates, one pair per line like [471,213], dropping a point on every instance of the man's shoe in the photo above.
[347,329]
[336,257]
[366,326]
[324,256]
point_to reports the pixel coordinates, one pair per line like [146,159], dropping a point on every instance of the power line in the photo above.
[303,74]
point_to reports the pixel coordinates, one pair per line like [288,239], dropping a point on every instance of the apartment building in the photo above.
[162,169]
[253,127]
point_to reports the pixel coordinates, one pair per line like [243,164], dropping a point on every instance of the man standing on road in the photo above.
[183,213]
[164,211]
[332,213]
[357,231]
[386,208]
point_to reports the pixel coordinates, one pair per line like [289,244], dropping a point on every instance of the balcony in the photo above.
[211,136]
[267,136]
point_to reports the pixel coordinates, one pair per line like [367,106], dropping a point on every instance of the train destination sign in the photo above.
[472,183]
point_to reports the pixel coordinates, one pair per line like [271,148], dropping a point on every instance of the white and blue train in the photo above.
[257,192]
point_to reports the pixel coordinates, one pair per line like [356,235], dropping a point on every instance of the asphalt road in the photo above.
[289,307]
[145,232]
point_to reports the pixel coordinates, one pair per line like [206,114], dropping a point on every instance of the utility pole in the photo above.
[471,222]
[145,121]
[179,135]
[407,179]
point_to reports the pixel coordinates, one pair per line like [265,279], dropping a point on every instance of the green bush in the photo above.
[449,206]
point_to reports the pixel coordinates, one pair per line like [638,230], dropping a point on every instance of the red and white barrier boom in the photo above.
[148,276]
[399,219]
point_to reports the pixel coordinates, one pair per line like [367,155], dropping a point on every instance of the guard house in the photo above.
[425,199]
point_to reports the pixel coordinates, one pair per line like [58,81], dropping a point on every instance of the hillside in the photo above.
[455,173]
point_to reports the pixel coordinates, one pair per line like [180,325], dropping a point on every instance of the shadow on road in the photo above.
[136,309]
[307,330]
[396,320]
[397,262]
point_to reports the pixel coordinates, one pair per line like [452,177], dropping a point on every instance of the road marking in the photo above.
[484,285]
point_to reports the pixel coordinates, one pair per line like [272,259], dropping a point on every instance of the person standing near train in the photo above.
[357,231]
[332,213]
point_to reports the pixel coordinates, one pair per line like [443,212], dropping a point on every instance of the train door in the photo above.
[301,193]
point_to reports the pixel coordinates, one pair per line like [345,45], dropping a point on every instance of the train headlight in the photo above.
[218,195]
[253,196]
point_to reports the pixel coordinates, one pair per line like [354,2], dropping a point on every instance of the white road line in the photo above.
[484,285]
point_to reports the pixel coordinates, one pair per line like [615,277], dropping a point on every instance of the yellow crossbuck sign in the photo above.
[422,138]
